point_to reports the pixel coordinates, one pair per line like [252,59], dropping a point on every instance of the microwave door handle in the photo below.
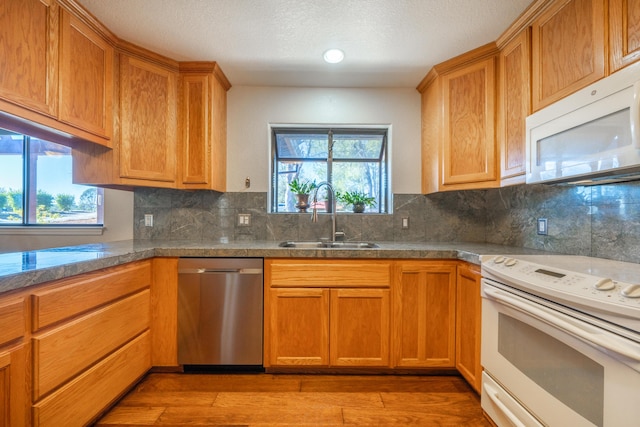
[593,338]
[492,393]
[635,116]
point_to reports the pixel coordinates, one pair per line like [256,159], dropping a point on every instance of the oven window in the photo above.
[565,373]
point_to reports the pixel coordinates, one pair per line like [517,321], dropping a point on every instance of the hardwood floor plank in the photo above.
[124,415]
[438,401]
[238,415]
[384,383]
[168,398]
[219,382]
[300,401]
[402,417]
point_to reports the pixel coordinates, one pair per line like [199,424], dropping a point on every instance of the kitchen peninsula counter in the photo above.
[22,269]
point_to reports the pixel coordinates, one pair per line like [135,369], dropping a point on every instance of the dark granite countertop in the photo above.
[22,269]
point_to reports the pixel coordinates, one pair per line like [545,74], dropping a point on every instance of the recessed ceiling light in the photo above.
[333,56]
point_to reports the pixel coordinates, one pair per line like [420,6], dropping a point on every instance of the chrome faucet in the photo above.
[314,212]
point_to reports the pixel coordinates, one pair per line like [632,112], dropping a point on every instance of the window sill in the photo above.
[45,230]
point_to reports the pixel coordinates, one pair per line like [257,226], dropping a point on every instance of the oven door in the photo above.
[562,370]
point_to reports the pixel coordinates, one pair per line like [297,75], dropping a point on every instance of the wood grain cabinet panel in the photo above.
[86,78]
[298,332]
[29,52]
[568,49]
[67,350]
[359,327]
[515,106]
[424,309]
[624,33]
[87,395]
[74,295]
[148,123]
[468,146]
[329,273]
[468,324]
[203,122]
[12,319]
[14,396]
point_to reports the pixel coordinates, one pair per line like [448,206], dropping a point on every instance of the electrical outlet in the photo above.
[148,220]
[405,223]
[244,220]
[543,226]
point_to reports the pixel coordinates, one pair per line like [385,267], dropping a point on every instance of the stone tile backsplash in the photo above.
[602,221]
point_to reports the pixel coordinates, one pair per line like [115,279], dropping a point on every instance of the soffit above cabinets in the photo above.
[387,43]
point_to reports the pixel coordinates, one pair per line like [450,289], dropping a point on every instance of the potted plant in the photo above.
[356,199]
[302,189]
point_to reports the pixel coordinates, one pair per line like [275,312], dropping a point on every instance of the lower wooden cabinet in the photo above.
[327,313]
[424,314]
[468,327]
[14,389]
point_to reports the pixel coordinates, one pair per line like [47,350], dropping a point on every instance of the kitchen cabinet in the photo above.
[458,123]
[14,389]
[30,58]
[148,122]
[203,126]
[424,309]
[468,324]
[327,313]
[90,341]
[515,106]
[567,48]
[86,78]
[624,33]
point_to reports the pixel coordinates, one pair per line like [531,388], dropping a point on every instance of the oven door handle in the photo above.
[593,337]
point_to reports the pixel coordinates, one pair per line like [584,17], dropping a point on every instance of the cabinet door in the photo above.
[568,49]
[515,106]
[298,327]
[29,52]
[624,33]
[359,327]
[14,394]
[203,141]
[86,78]
[468,317]
[424,314]
[468,129]
[148,122]
[431,111]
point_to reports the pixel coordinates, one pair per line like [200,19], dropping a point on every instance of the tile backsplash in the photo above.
[602,221]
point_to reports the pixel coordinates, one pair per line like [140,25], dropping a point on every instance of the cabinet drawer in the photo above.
[328,274]
[12,319]
[83,398]
[76,296]
[67,350]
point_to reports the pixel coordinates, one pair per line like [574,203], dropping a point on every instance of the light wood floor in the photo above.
[297,400]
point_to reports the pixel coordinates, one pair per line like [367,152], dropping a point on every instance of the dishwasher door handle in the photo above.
[220,271]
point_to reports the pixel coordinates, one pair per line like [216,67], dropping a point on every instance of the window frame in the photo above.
[25,227]
[383,159]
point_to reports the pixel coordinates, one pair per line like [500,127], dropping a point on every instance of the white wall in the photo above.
[118,222]
[252,109]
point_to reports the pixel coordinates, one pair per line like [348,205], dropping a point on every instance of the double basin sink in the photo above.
[327,245]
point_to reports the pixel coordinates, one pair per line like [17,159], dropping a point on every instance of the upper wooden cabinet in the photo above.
[424,298]
[86,78]
[514,107]
[29,52]
[568,49]
[458,123]
[203,126]
[624,33]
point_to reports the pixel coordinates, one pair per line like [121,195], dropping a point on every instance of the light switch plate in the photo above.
[543,226]
[244,220]
[148,220]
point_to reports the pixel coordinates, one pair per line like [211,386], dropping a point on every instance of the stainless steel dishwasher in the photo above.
[220,309]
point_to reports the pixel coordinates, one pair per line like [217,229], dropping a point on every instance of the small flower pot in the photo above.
[358,207]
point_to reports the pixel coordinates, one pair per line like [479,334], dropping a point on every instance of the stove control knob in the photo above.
[510,262]
[631,291]
[604,285]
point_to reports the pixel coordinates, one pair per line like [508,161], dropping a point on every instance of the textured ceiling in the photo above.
[387,43]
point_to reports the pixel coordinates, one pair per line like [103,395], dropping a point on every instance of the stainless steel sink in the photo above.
[330,245]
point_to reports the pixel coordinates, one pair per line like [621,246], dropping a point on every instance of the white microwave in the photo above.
[590,137]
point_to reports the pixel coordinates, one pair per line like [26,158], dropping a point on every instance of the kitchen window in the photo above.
[36,187]
[350,159]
